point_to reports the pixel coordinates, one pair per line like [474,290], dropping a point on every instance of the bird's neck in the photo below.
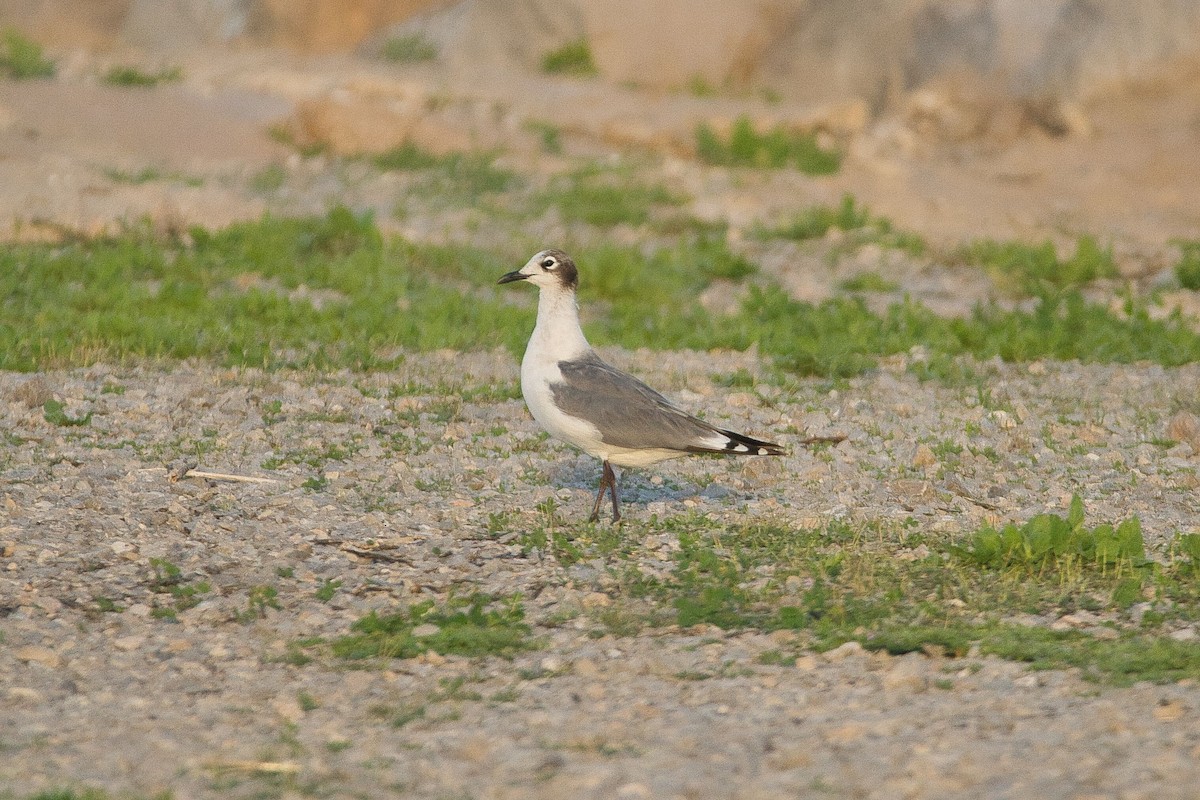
[557,335]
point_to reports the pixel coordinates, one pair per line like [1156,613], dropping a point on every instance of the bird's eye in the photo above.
[549,263]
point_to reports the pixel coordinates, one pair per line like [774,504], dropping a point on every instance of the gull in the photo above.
[587,403]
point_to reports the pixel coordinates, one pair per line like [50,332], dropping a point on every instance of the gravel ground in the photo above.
[209,704]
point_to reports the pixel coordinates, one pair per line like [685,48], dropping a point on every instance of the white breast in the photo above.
[537,373]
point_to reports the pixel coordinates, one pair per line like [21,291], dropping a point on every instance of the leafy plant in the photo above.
[574,59]
[774,149]
[168,579]
[258,601]
[470,628]
[466,174]
[327,589]
[411,48]
[1031,269]
[1055,542]
[604,200]
[135,77]
[1188,268]
[54,412]
[134,296]
[851,218]
[868,282]
[1188,544]
[22,58]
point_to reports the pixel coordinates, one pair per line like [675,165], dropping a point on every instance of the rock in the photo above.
[354,124]
[924,457]
[633,791]
[845,734]
[909,673]
[1184,427]
[595,600]
[1169,711]
[806,663]
[847,650]
[23,695]
[425,629]
[128,643]
[36,654]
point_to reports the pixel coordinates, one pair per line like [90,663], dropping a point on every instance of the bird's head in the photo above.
[549,269]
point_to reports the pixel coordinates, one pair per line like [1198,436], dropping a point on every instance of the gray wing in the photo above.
[627,412]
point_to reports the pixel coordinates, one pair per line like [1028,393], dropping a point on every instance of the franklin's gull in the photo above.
[578,398]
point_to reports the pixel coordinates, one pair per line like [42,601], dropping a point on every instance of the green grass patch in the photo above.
[55,413]
[233,297]
[269,179]
[573,59]
[846,583]
[604,199]
[851,218]
[1187,270]
[461,176]
[1049,541]
[1033,269]
[475,626]
[411,48]
[135,77]
[868,282]
[774,149]
[22,58]
[151,175]
[168,579]
[841,337]
[549,135]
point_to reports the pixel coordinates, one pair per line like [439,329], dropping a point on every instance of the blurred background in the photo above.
[954,118]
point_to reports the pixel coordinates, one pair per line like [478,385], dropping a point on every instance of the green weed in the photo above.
[151,175]
[476,626]
[133,76]
[22,58]
[775,149]
[133,296]
[1032,269]
[106,605]
[1188,268]
[699,86]
[868,282]
[1048,541]
[269,179]
[317,483]
[462,176]
[847,583]
[168,579]
[549,134]
[1188,545]
[573,59]
[54,412]
[259,600]
[327,589]
[409,49]
[603,199]
[86,793]
[850,218]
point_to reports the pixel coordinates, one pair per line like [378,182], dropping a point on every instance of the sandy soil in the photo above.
[209,706]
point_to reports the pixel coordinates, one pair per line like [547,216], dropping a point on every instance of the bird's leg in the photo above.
[605,476]
[612,486]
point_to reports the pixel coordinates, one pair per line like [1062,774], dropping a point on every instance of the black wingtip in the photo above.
[741,445]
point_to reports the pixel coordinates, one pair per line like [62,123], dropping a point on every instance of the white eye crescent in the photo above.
[549,263]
